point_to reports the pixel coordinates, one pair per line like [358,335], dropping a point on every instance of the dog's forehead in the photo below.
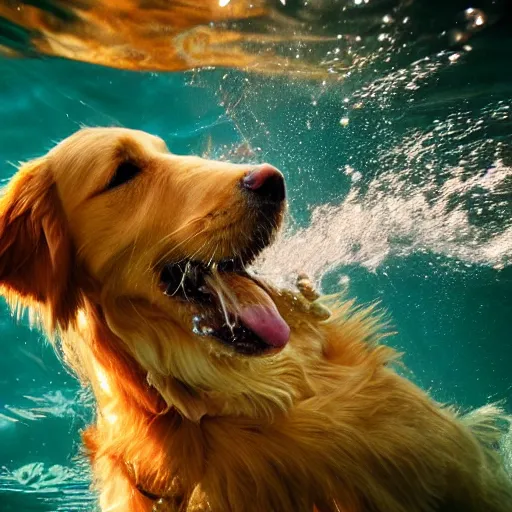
[92,153]
[82,164]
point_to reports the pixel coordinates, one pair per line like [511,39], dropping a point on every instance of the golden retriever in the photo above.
[215,391]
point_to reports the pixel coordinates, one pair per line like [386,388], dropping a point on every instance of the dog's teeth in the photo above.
[197,328]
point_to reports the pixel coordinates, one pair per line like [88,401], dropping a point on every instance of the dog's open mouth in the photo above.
[231,306]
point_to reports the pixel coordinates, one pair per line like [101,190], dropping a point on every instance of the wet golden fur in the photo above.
[325,424]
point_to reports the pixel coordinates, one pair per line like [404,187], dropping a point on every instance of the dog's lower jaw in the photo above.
[198,376]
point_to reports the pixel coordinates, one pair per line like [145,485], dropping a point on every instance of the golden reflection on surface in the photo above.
[314,39]
[157,35]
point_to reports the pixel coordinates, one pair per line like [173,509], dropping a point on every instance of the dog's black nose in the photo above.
[266,182]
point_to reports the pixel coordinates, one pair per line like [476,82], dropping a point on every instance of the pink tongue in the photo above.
[267,323]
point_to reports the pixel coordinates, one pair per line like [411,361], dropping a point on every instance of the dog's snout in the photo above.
[266,182]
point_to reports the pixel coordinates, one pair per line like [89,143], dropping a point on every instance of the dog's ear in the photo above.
[36,253]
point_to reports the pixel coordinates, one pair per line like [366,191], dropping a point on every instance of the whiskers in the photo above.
[227,299]
[174,248]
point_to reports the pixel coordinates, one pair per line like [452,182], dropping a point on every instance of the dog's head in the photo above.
[158,243]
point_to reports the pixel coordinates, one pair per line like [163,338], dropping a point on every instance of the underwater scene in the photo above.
[391,121]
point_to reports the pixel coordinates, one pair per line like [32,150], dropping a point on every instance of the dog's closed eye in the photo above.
[125,172]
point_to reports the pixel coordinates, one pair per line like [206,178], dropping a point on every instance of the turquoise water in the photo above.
[413,157]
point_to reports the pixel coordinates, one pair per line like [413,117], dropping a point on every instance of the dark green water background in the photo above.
[452,314]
